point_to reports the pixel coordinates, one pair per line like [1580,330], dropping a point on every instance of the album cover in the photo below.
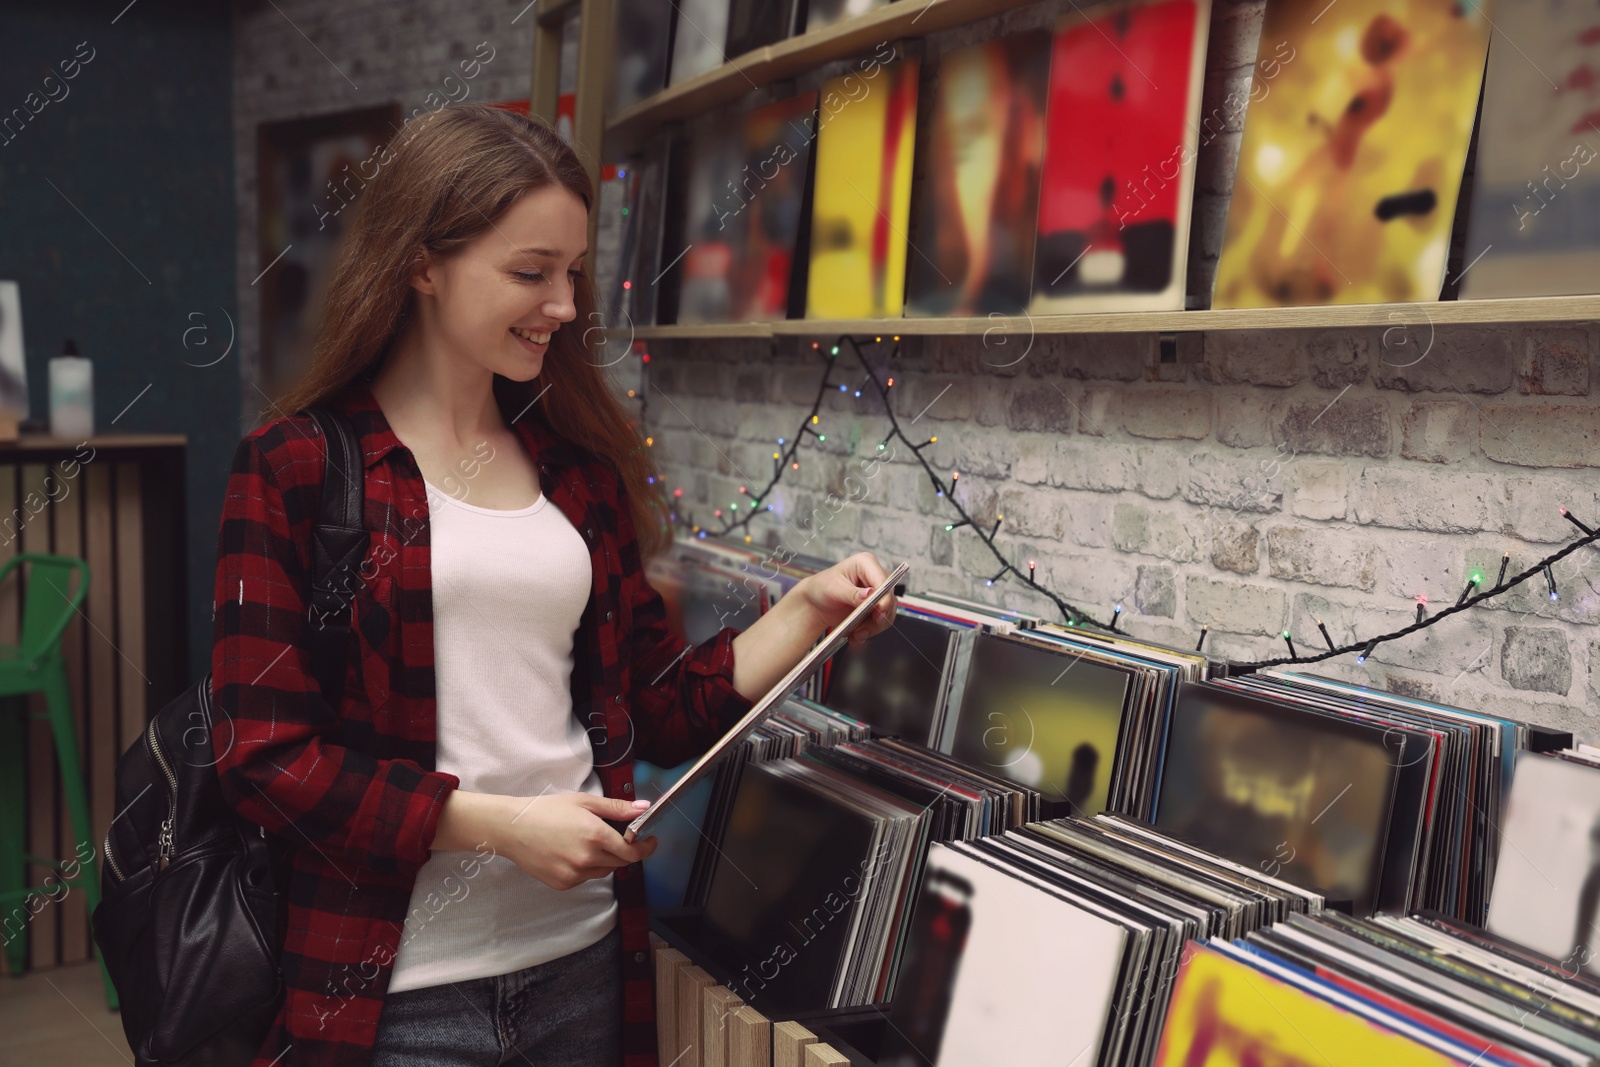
[713,239]
[639,65]
[1295,794]
[642,240]
[962,1000]
[1120,143]
[1534,229]
[1222,1006]
[770,204]
[755,24]
[701,38]
[894,681]
[977,201]
[1045,719]
[1352,155]
[862,199]
[824,13]
[1546,891]
[765,882]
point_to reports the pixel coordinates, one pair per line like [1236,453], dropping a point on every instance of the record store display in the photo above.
[815,854]
[1117,188]
[1411,991]
[1351,165]
[1121,903]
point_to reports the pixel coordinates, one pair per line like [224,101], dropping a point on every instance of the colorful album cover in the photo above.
[713,238]
[977,202]
[1298,795]
[1047,720]
[1534,229]
[1546,891]
[823,13]
[960,999]
[768,204]
[1351,161]
[1225,1013]
[1116,195]
[862,201]
[639,69]
[702,34]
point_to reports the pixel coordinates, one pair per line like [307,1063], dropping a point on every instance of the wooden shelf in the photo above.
[843,40]
[1417,316]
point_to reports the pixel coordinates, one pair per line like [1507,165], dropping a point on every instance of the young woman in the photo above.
[453,895]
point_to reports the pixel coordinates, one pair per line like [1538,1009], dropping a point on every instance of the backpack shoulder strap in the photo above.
[338,547]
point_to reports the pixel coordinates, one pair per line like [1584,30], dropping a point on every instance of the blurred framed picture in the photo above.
[309,172]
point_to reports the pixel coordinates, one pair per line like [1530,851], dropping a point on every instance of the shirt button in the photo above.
[638,957]
[617,699]
[627,787]
[609,614]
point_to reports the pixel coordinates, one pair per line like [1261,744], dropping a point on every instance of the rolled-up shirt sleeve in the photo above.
[272,729]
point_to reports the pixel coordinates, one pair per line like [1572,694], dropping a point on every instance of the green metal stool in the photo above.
[36,666]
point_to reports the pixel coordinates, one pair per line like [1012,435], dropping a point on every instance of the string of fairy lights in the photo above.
[739,514]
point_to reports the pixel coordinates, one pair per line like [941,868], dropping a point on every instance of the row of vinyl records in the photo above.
[1055,168]
[1159,849]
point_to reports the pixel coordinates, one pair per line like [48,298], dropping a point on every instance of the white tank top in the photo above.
[509,588]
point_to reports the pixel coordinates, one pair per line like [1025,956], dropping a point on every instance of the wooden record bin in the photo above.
[703,1023]
[117,502]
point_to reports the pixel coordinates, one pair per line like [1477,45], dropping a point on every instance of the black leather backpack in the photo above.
[190,917]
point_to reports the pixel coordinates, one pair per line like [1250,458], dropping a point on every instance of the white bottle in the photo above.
[71,395]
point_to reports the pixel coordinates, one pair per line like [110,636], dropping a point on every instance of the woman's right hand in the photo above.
[559,838]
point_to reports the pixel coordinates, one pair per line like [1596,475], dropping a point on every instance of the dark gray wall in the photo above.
[117,220]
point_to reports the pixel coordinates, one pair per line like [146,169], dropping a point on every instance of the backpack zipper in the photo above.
[111,861]
[164,847]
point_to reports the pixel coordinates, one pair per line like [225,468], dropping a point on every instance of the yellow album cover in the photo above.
[1227,1014]
[1352,155]
[862,201]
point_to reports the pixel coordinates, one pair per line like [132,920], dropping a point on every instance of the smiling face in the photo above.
[496,300]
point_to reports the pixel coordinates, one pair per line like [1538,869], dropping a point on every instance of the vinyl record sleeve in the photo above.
[701,37]
[861,196]
[1050,720]
[1352,156]
[976,202]
[964,956]
[1122,134]
[895,679]
[1223,1003]
[1296,794]
[1547,884]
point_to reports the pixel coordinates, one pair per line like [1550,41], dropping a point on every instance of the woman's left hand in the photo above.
[834,593]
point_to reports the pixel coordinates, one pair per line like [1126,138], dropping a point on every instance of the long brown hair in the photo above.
[444,180]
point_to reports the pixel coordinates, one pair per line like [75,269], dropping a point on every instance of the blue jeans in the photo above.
[564,1013]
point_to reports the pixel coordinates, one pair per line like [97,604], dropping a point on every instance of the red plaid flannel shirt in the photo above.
[353,792]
